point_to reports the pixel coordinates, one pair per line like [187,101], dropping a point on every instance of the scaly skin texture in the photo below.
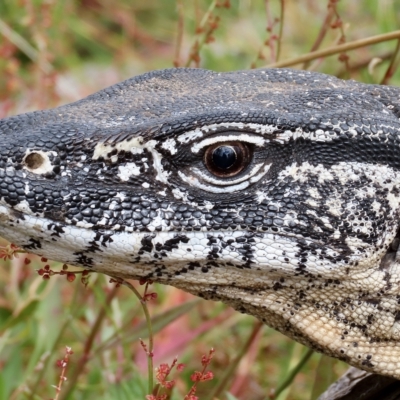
[304,238]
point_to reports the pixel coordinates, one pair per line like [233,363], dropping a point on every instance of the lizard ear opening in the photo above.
[41,162]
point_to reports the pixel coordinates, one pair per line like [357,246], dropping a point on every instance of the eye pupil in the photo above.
[227,159]
[224,157]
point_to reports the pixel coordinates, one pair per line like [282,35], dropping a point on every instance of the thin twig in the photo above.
[207,14]
[149,327]
[270,27]
[217,391]
[63,364]
[199,43]
[24,46]
[336,49]
[362,63]
[392,65]
[89,344]
[274,51]
[292,374]
[179,36]
[343,57]
[56,344]
[281,21]
[321,35]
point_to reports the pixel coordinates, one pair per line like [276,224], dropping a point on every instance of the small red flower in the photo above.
[180,367]
[149,296]
[8,252]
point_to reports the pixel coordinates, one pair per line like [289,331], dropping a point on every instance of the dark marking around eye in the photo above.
[227,159]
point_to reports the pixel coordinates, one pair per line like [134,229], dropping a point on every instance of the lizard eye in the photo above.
[226,162]
[227,159]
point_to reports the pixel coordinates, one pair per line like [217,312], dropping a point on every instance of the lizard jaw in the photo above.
[299,307]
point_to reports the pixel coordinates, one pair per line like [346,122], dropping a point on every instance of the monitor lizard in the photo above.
[275,191]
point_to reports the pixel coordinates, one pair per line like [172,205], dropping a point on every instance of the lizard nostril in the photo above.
[34,160]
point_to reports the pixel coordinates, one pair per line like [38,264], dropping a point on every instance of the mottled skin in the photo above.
[305,237]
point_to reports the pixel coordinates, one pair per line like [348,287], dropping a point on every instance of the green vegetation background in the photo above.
[57,51]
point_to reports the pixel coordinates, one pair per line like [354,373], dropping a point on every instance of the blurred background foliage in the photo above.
[57,51]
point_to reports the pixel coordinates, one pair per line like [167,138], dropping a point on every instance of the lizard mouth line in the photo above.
[264,252]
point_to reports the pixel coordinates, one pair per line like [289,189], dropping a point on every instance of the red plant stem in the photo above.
[149,328]
[201,40]
[63,378]
[192,390]
[342,37]
[179,37]
[270,27]
[80,365]
[322,33]
[281,21]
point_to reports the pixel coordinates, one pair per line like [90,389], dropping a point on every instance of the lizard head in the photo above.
[274,191]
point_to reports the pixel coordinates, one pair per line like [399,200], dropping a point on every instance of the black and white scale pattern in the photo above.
[305,237]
